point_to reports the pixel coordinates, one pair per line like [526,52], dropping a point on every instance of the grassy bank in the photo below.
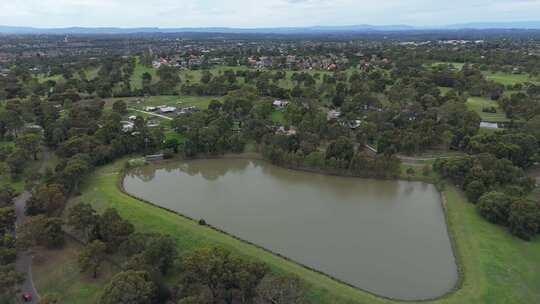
[498,267]
[57,271]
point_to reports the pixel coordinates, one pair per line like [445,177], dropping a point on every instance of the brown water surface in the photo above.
[387,237]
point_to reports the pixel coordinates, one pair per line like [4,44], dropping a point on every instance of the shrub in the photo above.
[524,219]
[474,190]
[495,207]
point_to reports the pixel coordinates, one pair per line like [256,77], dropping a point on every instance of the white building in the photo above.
[489,125]
[167,110]
[280,104]
[333,114]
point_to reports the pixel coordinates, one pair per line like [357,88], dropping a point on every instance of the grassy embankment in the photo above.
[498,267]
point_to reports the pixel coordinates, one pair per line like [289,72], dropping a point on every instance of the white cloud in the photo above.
[257,13]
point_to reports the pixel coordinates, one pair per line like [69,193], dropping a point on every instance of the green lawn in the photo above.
[136,78]
[278,117]
[478,103]
[173,134]
[57,271]
[44,78]
[457,65]
[91,73]
[509,78]
[499,268]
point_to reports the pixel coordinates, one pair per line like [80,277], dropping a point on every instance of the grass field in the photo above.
[56,271]
[278,117]
[478,103]
[136,78]
[457,65]
[44,78]
[498,267]
[510,79]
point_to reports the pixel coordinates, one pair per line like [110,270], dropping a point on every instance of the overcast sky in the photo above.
[261,13]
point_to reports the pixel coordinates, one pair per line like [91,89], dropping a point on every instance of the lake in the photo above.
[386,237]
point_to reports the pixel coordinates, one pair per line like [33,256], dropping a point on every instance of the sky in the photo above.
[261,13]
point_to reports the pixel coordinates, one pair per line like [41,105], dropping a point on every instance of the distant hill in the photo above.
[271,30]
[497,25]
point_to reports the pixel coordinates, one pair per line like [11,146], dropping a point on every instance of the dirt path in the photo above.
[24,259]
[410,160]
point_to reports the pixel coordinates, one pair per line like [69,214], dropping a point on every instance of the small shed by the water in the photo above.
[154,157]
[489,125]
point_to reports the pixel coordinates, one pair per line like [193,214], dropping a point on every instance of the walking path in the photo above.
[151,114]
[24,259]
[408,159]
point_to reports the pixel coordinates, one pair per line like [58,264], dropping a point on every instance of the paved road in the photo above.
[151,113]
[24,259]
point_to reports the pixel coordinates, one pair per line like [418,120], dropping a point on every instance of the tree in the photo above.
[7,219]
[342,149]
[495,207]
[40,230]
[48,199]
[129,287]
[281,290]
[91,257]
[161,253]
[74,171]
[10,280]
[172,143]
[474,190]
[16,162]
[206,77]
[82,217]
[112,229]
[120,107]
[30,143]
[146,81]
[410,172]
[8,252]
[524,219]
[221,273]
[7,194]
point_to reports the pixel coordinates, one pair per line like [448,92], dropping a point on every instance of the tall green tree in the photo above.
[83,218]
[30,143]
[91,257]
[10,280]
[129,287]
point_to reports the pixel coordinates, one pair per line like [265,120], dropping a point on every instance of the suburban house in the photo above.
[167,110]
[489,125]
[333,114]
[127,126]
[280,104]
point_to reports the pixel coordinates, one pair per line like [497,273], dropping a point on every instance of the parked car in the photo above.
[26,297]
